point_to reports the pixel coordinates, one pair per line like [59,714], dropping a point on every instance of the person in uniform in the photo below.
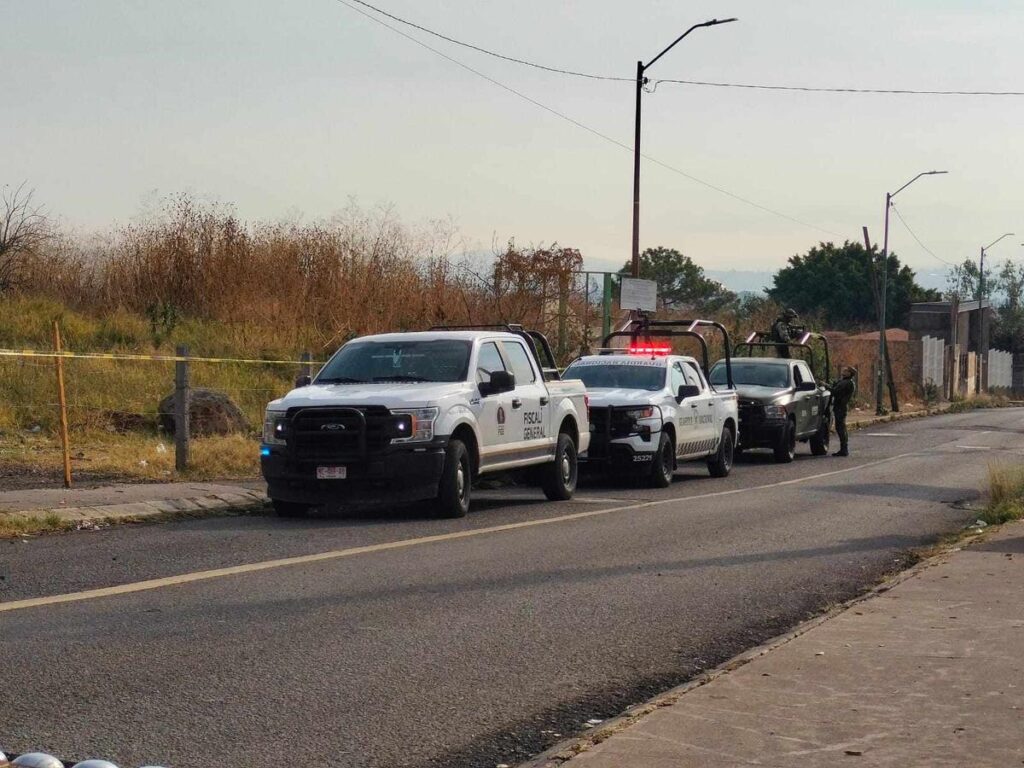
[783,330]
[843,390]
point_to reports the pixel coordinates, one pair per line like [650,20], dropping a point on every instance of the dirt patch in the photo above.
[18,477]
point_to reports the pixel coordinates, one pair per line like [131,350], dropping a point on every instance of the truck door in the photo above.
[531,408]
[803,401]
[496,421]
[811,399]
[704,435]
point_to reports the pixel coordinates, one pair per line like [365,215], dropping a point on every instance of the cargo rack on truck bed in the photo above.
[536,341]
[643,330]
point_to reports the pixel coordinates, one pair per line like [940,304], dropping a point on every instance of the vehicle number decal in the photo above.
[640,457]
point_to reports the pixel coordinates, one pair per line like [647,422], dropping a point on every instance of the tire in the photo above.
[664,464]
[720,465]
[785,449]
[558,478]
[289,508]
[454,491]
[820,441]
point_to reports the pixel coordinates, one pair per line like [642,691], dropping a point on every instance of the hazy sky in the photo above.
[300,105]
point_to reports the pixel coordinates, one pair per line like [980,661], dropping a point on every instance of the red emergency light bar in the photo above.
[655,350]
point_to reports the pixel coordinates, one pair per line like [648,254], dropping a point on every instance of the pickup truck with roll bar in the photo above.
[650,409]
[782,399]
[421,416]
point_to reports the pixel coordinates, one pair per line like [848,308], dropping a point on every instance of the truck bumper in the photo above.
[631,454]
[397,475]
[763,434]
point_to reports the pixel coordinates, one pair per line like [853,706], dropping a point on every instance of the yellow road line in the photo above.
[266,565]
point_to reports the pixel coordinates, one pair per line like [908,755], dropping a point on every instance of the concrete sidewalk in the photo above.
[929,672]
[131,500]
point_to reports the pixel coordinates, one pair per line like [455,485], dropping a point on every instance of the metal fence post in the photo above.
[606,306]
[181,404]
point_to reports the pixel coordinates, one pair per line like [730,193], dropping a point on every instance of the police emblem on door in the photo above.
[501,420]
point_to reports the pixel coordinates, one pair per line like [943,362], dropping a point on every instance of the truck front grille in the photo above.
[338,434]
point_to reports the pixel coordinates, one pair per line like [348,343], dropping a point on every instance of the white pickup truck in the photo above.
[651,409]
[415,416]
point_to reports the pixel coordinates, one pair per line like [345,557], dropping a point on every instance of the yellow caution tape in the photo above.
[159,358]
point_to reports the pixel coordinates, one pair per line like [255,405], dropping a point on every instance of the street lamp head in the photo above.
[935,173]
[721,21]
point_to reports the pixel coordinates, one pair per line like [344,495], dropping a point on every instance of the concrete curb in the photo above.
[241,500]
[567,749]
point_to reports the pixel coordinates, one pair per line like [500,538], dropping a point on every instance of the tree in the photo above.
[962,281]
[1008,328]
[840,283]
[681,283]
[23,228]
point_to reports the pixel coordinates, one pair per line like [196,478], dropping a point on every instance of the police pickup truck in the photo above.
[782,400]
[416,416]
[651,409]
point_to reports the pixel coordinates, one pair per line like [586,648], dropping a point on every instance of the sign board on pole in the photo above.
[638,294]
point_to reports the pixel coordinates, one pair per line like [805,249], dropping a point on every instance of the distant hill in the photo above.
[756,281]
[742,280]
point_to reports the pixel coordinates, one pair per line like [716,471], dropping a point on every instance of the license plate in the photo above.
[331,473]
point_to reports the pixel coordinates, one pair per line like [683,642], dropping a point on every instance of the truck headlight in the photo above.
[641,413]
[775,411]
[415,425]
[274,425]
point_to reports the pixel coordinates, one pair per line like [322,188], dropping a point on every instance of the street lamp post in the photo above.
[641,80]
[982,329]
[880,388]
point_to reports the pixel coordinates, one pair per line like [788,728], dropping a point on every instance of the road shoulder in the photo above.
[924,670]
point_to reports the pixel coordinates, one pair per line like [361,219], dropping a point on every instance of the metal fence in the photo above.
[933,361]
[1000,369]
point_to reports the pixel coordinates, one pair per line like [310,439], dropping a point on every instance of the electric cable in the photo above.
[587,128]
[928,250]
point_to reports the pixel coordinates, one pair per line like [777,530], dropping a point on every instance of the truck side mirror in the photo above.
[501,381]
[806,386]
[685,391]
[303,380]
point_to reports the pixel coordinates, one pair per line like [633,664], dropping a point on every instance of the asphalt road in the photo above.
[474,650]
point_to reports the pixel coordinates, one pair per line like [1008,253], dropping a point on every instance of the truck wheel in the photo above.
[558,478]
[456,480]
[785,449]
[289,508]
[820,441]
[664,464]
[720,465]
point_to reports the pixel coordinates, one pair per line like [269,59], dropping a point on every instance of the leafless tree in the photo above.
[23,228]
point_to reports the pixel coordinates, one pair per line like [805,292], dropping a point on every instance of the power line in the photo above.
[587,128]
[809,89]
[478,49]
[913,235]
[592,76]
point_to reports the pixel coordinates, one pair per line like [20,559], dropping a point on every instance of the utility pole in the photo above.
[641,81]
[883,300]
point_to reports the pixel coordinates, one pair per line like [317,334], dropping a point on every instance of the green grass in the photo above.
[1006,494]
[11,525]
[103,394]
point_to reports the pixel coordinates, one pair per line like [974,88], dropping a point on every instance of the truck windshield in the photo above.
[753,375]
[617,376]
[361,362]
